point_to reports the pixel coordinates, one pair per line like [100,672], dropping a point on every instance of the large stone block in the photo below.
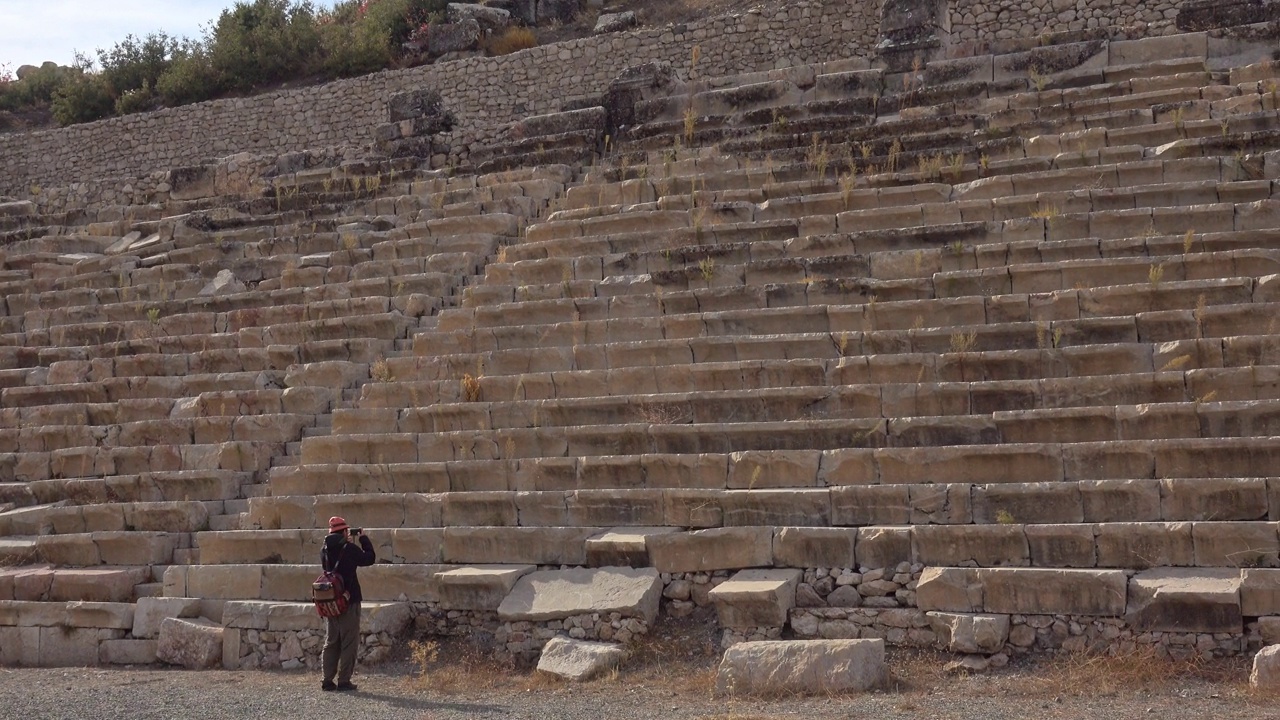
[806,547]
[151,611]
[1033,591]
[20,646]
[113,616]
[195,644]
[882,547]
[1027,503]
[950,589]
[985,545]
[970,633]
[538,545]
[224,582]
[1259,592]
[1142,545]
[136,548]
[578,660]
[756,598]
[1266,669]
[71,646]
[623,546]
[100,584]
[1236,544]
[478,588]
[242,546]
[1186,600]
[716,549]
[127,652]
[558,594]
[788,667]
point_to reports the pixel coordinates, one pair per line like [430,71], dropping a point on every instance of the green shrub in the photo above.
[135,101]
[264,42]
[133,63]
[36,88]
[83,96]
[354,49]
[190,77]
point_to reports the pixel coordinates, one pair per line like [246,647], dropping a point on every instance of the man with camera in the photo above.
[345,549]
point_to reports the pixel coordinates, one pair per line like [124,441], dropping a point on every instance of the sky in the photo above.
[34,31]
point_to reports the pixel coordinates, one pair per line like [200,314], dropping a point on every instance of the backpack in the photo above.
[327,592]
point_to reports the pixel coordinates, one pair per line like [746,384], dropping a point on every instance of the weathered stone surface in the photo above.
[615,22]
[488,17]
[624,546]
[800,666]
[578,660]
[444,38]
[195,644]
[802,547]
[224,283]
[1185,600]
[950,589]
[716,549]
[1259,592]
[756,598]
[152,611]
[1266,668]
[558,594]
[880,547]
[970,633]
[127,652]
[479,588]
[1049,592]
[115,616]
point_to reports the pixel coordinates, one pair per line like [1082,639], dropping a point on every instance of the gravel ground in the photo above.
[395,692]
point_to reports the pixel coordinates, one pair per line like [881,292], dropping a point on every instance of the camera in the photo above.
[356,531]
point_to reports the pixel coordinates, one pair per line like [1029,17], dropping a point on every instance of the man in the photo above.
[345,549]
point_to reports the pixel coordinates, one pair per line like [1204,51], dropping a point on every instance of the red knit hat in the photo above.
[337,524]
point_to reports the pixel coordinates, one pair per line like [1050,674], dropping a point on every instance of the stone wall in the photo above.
[487,92]
[985,21]
[482,92]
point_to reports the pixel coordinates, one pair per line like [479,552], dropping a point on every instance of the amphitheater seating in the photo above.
[1009,318]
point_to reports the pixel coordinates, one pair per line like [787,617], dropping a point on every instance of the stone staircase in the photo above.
[978,354]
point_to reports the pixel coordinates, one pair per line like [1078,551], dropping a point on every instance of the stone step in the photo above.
[36,583]
[1049,462]
[94,462]
[145,487]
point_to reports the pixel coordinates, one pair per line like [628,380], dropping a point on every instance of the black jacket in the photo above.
[344,557]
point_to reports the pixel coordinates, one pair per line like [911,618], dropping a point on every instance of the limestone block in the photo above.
[716,549]
[1143,545]
[32,583]
[478,588]
[1236,544]
[950,589]
[127,652]
[970,633]
[1107,501]
[1259,592]
[68,550]
[102,585]
[115,616]
[1070,546]
[870,505]
[271,615]
[34,614]
[71,647]
[1266,668]
[947,504]
[225,582]
[985,545]
[150,612]
[195,644]
[20,646]
[135,548]
[385,582]
[1185,600]
[773,469]
[382,617]
[282,582]
[578,660]
[539,545]
[882,547]
[623,546]
[1027,503]
[756,598]
[558,594]
[847,466]
[605,508]
[817,667]
[806,547]
[1216,499]
[231,649]
[745,508]
[261,546]
[1051,592]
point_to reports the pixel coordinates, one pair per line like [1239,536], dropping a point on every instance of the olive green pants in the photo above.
[342,640]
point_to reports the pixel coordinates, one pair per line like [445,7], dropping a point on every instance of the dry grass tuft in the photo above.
[457,665]
[1095,674]
[678,654]
[513,39]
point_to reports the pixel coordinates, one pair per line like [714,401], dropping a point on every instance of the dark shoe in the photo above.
[346,687]
[328,686]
